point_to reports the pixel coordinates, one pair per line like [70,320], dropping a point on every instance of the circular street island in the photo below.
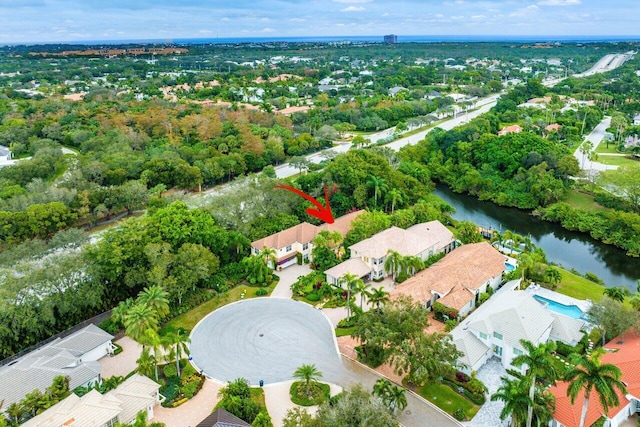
[263,339]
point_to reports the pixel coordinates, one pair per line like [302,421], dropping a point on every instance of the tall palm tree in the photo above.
[269,257]
[394,264]
[146,363]
[397,399]
[378,297]
[394,196]
[360,287]
[156,298]
[179,341]
[157,343]
[349,281]
[539,363]
[120,311]
[379,185]
[614,293]
[309,374]
[412,264]
[525,262]
[588,375]
[552,276]
[514,393]
[140,318]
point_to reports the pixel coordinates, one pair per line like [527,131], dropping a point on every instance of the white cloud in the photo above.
[559,2]
[353,9]
[268,30]
[478,17]
[353,1]
[297,20]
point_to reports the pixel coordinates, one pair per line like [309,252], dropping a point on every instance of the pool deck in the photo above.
[534,289]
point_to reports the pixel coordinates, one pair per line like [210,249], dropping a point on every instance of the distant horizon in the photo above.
[84,21]
[461,38]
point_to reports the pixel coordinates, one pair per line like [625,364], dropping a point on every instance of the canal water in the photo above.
[567,248]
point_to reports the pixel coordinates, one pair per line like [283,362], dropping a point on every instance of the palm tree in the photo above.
[397,398]
[394,196]
[614,293]
[378,297]
[412,264]
[309,374]
[394,264]
[349,280]
[379,185]
[156,298]
[552,276]
[589,375]
[538,361]
[146,362]
[269,256]
[180,342]
[360,287]
[140,318]
[525,262]
[514,394]
[157,343]
[120,311]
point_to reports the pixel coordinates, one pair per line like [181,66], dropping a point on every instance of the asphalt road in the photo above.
[483,105]
[595,137]
[269,338]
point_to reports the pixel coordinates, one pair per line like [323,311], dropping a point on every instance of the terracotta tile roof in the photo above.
[469,266]
[624,352]
[457,298]
[510,129]
[305,232]
[341,224]
[294,109]
[301,233]
[553,127]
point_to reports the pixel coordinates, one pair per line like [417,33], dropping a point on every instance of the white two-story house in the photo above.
[369,256]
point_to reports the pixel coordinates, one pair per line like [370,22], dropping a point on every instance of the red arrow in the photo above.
[322,213]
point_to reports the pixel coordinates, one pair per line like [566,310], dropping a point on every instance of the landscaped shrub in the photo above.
[260,292]
[348,322]
[459,414]
[442,313]
[371,357]
[593,278]
[189,389]
[450,325]
[110,326]
[462,377]
[566,350]
[477,398]
[313,297]
[180,402]
[170,370]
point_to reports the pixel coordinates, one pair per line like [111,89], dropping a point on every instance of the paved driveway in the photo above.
[263,339]
[287,277]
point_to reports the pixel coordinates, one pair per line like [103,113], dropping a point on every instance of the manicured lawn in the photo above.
[257,395]
[343,332]
[583,201]
[578,287]
[448,400]
[618,160]
[189,319]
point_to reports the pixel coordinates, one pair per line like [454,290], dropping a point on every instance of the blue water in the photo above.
[567,310]
[510,267]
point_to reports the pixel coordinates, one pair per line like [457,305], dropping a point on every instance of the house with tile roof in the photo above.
[299,240]
[624,352]
[136,394]
[458,279]
[496,327]
[74,356]
[368,256]
[510,129]
[222,418]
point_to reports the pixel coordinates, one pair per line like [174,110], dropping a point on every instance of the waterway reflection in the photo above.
[568,248]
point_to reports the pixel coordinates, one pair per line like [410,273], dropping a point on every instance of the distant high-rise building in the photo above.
[391,38]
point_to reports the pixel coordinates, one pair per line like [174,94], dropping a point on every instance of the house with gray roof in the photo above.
[496,328]
[6,156]
[74,356]
[222,418]
[136,394]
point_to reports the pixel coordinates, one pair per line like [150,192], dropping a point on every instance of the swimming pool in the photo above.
[567,310]
[509,266]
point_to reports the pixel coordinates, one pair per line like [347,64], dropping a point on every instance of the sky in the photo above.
[34,21]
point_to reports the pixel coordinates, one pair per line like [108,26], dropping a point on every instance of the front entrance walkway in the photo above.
[489,414]
[287,277]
